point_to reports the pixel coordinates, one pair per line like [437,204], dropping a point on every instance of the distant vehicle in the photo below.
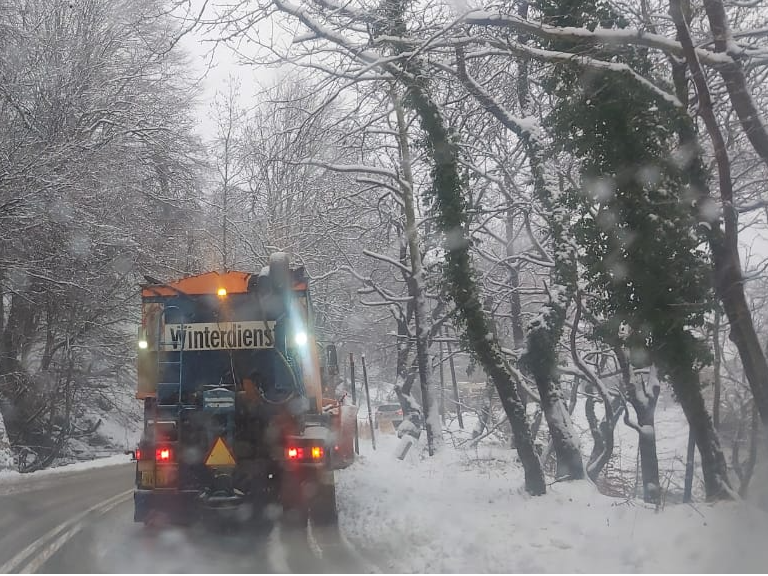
[387,414]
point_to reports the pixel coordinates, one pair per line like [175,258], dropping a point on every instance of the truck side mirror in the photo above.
[331,359]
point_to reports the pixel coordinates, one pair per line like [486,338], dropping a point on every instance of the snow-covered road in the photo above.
[82,522]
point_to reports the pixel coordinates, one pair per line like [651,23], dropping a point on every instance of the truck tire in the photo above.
[323,508]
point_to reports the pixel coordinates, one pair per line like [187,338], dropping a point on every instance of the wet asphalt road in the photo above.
[82,522]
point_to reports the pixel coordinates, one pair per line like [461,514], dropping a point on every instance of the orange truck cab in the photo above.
[239,400]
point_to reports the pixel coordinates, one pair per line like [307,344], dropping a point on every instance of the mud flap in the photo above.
[322,508]
[294,500]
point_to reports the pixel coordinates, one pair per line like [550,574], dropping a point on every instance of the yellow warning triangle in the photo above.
[220,454]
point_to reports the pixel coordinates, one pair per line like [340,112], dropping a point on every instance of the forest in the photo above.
[565,200]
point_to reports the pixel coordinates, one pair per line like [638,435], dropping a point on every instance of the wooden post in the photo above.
[442,384]
[455,384]
[354,398]
[368,400]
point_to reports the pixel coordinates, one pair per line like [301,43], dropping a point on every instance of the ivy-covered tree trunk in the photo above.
[541,362]
[451,211]
[451,215]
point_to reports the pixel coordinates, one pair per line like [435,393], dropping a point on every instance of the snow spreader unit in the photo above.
[241,418]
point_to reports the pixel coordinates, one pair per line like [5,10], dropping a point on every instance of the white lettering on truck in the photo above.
[257,334]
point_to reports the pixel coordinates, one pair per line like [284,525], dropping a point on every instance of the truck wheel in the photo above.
[323,508]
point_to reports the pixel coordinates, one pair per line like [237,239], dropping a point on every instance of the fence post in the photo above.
[368,400]
[456,396]
[354,397]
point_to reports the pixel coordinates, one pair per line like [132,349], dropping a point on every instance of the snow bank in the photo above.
[7,476]
[466,511]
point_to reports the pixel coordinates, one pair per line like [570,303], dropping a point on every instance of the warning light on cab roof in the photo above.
[222,292]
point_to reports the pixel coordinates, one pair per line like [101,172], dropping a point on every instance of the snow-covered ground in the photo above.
[466,511]
[8,476]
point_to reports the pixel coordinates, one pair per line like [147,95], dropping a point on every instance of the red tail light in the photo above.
[138,453]
[305,453]
[163,454]
[295,453]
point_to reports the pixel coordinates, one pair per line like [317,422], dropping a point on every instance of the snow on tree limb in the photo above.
[750,116]
[609,37]
[389,260]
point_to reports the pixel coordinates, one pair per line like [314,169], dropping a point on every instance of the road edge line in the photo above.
[51,548]
[11,565]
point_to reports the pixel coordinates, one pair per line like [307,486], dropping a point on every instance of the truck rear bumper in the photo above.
[176,506]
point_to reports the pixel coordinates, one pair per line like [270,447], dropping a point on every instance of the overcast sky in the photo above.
[215,71]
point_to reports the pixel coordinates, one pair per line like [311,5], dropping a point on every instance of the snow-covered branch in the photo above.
[602,36]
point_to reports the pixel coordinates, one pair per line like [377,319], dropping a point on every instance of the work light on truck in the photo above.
[143,343]
[301,338]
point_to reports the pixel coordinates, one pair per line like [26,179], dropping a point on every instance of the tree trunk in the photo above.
[744,470]
[736,81]
[541,362]
[515,307]
[421,313]
[685,383]
[649,460]
[544,333]
[729,281]
[690,455]
[442,382]
[602,431]
[452,216]
[598,444]
[644,399]
[569,463]
[718,354]
[484,419]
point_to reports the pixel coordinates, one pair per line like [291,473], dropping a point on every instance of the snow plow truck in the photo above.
[241,417]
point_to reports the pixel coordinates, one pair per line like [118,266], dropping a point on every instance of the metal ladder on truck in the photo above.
[170,402]
[169,391]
